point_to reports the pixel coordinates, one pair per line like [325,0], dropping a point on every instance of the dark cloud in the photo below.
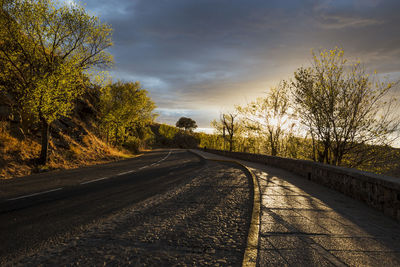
[198,57]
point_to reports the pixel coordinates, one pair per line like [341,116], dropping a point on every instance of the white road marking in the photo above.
[92,181]
[122,173]
[165,157]
[35,194]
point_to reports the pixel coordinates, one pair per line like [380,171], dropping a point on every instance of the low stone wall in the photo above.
[378,191]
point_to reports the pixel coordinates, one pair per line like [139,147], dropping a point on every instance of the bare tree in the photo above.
[229,125]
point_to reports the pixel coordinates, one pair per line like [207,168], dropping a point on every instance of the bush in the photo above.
[186,140]
[133,144]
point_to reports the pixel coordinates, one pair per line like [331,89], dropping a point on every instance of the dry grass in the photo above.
[91,151]
[17,157]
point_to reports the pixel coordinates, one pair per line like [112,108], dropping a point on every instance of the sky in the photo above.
[198,58]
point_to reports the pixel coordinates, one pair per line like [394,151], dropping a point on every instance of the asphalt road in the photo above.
[58,206]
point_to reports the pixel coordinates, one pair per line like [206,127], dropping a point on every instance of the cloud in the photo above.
[198,57]
[341,22]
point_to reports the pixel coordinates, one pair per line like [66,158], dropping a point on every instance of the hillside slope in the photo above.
[74,141]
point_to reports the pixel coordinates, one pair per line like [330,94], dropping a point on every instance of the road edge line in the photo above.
[251,252]
[35,194]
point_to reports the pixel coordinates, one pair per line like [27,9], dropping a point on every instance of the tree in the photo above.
[213,141]
[125,106]
[342,107]
[186,123]
[46,51]
[269,117]
[229,126]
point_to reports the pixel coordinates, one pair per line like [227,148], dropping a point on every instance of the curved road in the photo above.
[171,207]
[303,223]
[165,207]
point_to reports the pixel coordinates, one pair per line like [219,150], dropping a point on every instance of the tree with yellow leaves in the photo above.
[343,108]
[229,126]
[269,118]
[46,48]
[124,106]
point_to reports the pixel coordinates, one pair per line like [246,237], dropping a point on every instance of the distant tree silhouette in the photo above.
[187,123]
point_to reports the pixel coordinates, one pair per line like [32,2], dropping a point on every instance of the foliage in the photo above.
[133,144]
[45,51]
[229,126]
[51,47]
[168,131]
[214,141]
[186,140]
[332,112]
[164,134]
[170,136]
[126,111]
[269,118]
[342,107]
[378,159]
[186,123]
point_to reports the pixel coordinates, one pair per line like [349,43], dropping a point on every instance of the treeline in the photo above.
[170,136]
[126,115]
[331,112]
[53,55]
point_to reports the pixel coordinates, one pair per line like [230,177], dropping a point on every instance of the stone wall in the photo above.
[378,191]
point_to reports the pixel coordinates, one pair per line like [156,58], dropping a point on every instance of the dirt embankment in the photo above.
[74,141]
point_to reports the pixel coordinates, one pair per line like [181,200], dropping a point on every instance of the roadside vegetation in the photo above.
[58,107]
[332,112]
[126,111]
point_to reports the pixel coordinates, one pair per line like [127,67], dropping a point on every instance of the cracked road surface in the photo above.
[163,208]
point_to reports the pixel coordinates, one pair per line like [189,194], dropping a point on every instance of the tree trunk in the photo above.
[116,136]
[327,155]
[313,148]
[45,141]
[273,148]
